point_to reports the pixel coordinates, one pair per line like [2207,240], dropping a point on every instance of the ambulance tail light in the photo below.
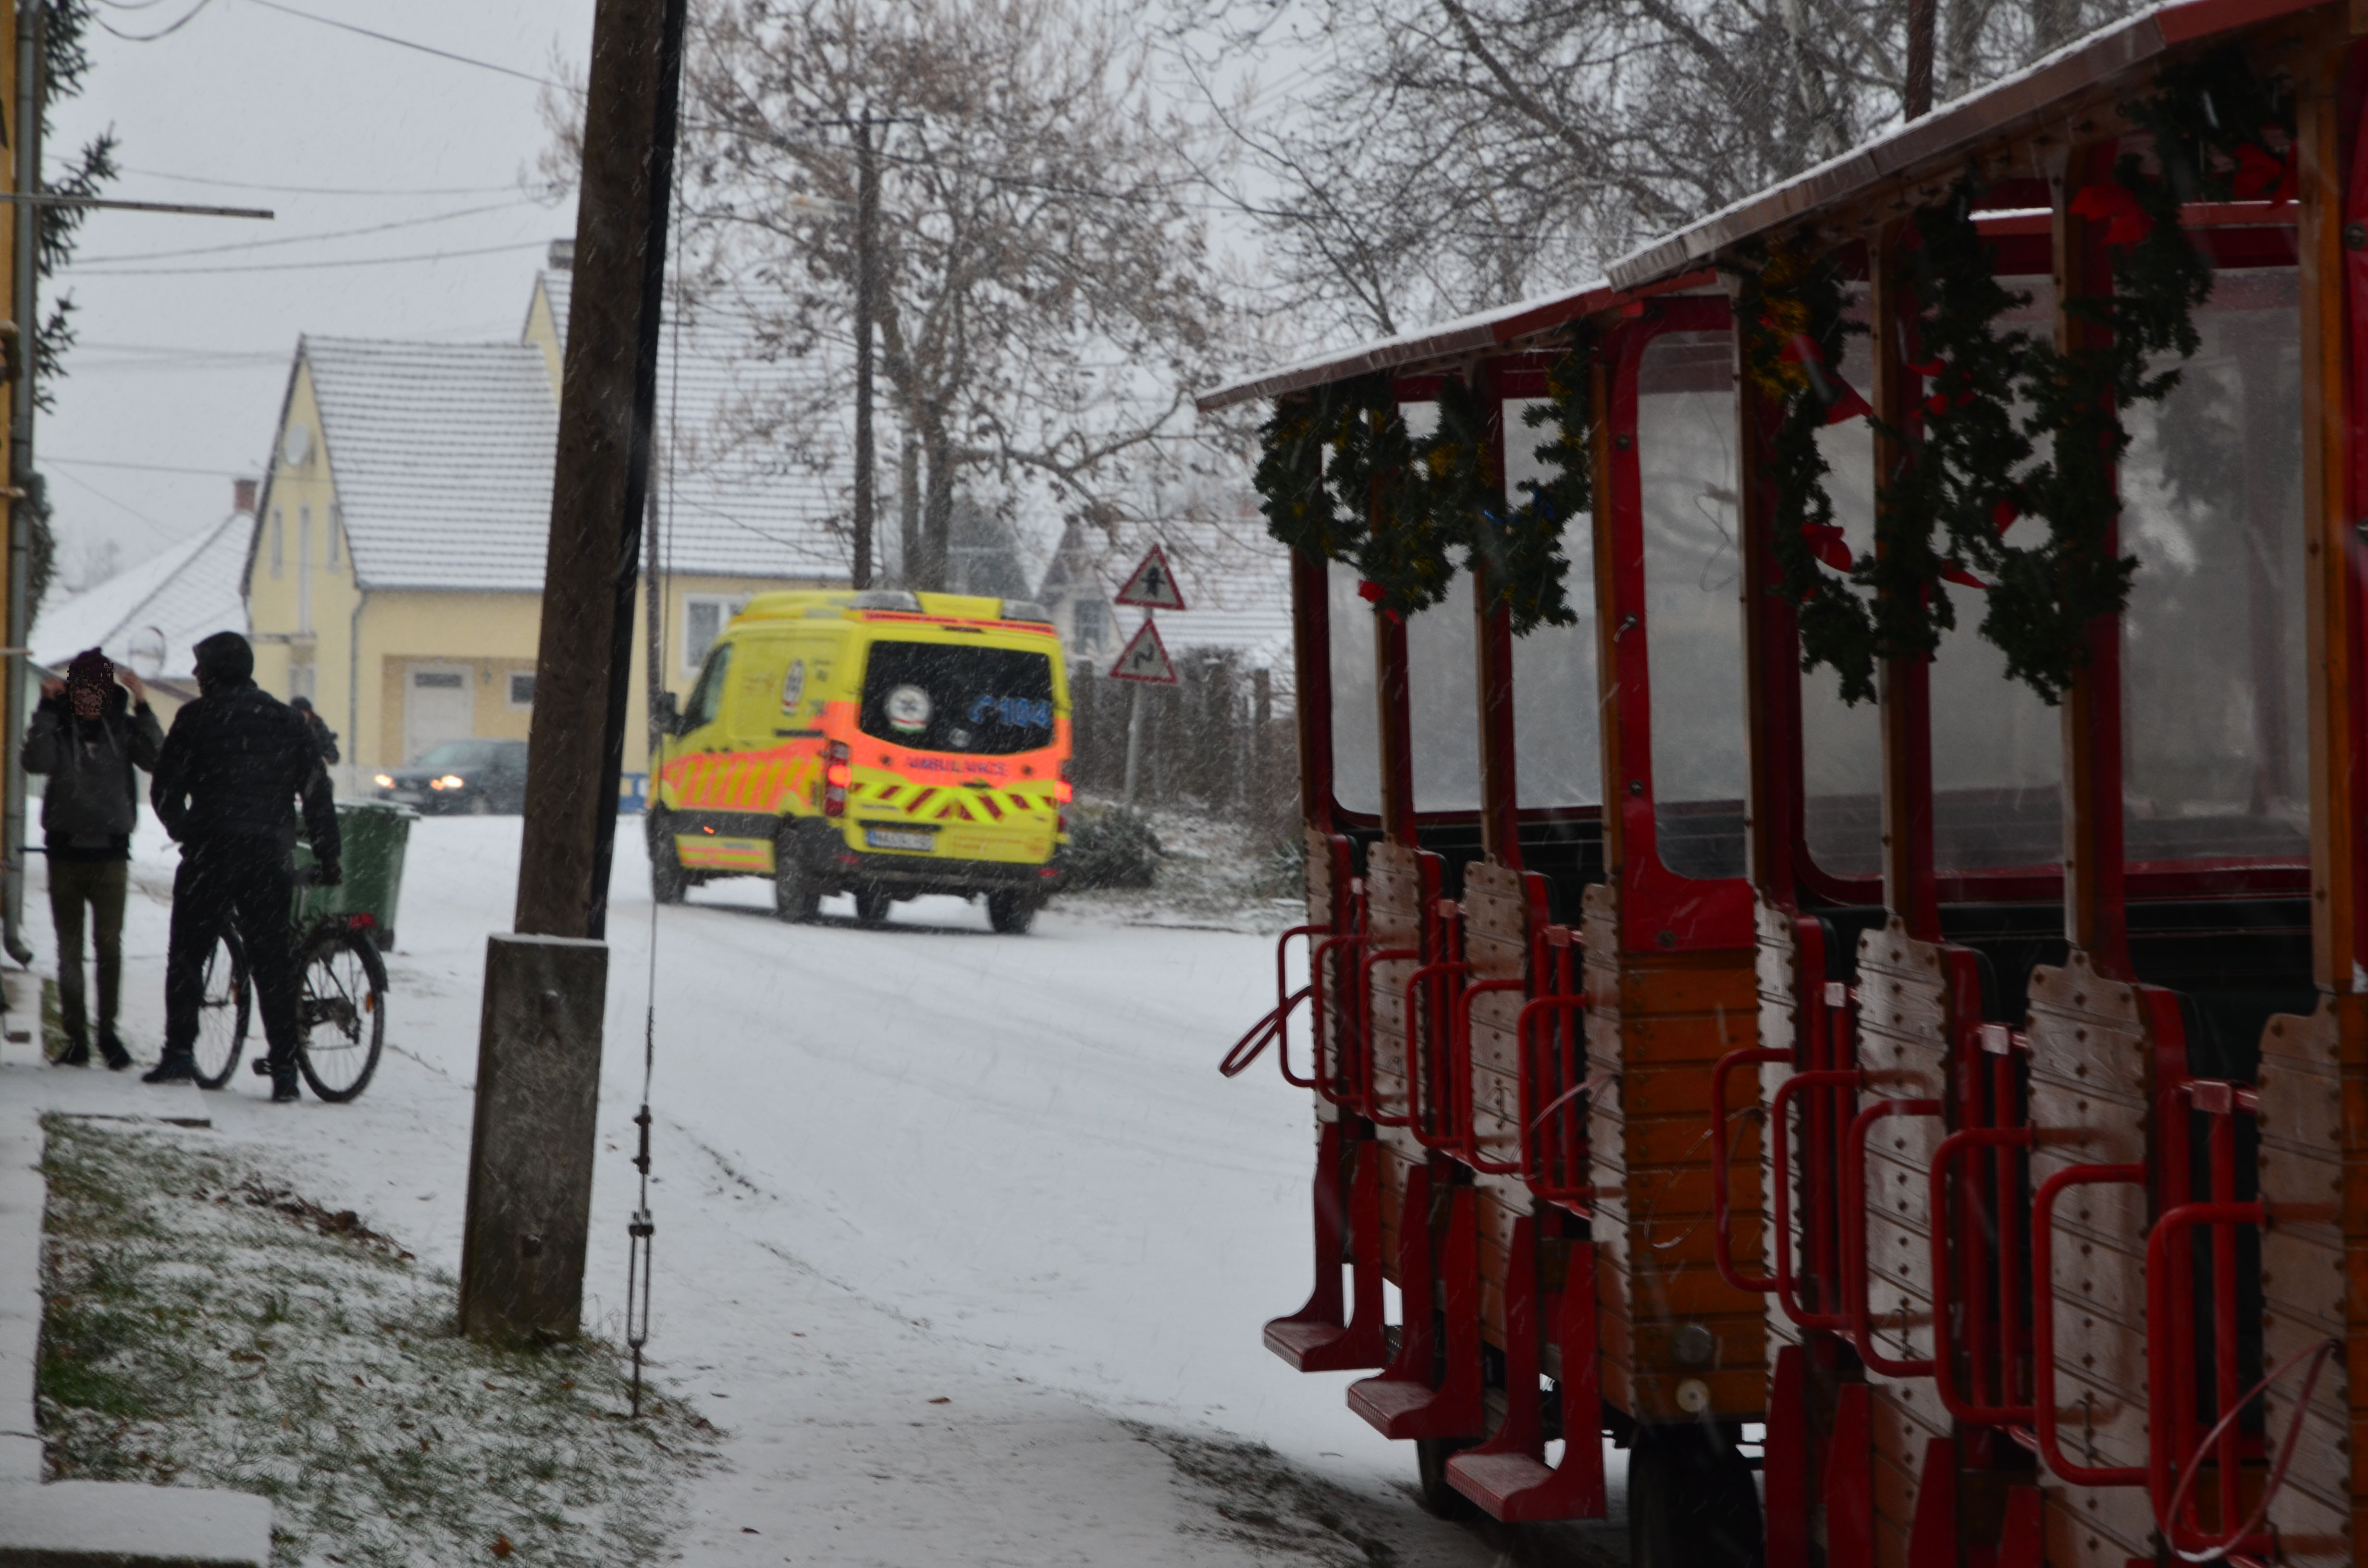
[837,773]
[1063,793]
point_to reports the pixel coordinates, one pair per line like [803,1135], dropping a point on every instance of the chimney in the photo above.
[563,256]
[242,494]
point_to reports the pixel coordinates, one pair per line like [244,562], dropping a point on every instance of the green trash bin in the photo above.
[376,834]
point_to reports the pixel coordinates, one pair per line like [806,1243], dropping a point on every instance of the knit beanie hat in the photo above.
[91,671]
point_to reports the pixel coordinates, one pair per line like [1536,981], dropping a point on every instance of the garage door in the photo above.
[438,705]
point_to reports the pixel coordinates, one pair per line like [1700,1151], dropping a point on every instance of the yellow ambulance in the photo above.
[883,744]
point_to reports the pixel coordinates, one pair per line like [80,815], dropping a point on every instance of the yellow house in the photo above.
[395,575]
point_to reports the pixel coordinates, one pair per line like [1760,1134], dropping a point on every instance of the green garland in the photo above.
[1527,572]
[1432,497]
[1790,310]
[2219,132]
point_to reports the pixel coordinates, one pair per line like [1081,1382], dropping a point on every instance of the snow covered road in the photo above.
[938,1210]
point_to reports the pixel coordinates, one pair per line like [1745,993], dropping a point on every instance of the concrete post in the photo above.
[530,1156]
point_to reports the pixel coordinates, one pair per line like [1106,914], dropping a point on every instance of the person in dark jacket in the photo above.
[324,736]
[86,737]
[227,783]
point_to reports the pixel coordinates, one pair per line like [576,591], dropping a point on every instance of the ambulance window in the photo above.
[707,696]
[952,697]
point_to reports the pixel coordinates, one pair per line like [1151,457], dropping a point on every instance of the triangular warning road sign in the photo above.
[1152,585]
[1145,658]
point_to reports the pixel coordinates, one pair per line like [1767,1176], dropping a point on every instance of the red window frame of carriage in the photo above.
[1659,910]
[1517,377]
[2233,236]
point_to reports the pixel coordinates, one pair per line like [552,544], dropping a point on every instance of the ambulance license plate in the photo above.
[899,838]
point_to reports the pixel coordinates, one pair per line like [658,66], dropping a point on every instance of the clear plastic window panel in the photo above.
[1842,746]
[1443,699]
[1557,699]
[1997,750]
[1356,713]
[1693,612]
[2214,728]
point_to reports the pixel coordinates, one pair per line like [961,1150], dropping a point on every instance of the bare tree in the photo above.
[1045,309]
[1409,159]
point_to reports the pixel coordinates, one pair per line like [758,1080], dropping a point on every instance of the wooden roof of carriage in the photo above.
[2001,128]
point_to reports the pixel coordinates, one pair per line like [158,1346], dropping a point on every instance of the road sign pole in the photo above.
[1134,740]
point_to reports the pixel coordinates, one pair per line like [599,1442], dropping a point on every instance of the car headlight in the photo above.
[385,781]
[450,781]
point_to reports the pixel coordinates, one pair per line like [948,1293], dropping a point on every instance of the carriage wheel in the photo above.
[1692,1501]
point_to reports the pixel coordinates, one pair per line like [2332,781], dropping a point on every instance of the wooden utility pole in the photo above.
[539,1043]
[607,407]
[24,484]
[867,305]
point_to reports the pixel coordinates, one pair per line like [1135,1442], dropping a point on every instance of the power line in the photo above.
[323,189]
[130,511]
[149,468]
[407,43]
[310,266]
[309,239]
[167,31]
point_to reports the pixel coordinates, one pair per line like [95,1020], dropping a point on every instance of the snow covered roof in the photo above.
[731,504]
[151,615]
[443,454]
[1934,146]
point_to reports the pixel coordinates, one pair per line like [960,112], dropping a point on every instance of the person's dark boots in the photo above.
[172,1069]
[118,1059]
[75,1054]
[284,1089]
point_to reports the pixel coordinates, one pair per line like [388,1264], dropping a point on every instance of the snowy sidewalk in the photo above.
[961,1239]
[117,1523]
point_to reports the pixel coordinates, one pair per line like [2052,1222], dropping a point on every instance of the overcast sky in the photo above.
[184,357]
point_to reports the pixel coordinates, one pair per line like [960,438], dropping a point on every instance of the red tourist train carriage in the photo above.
[1954,1081]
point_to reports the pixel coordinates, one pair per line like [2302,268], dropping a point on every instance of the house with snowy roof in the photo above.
[394,575]
[150,615]
[1234,579]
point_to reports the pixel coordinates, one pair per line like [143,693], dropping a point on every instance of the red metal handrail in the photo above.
[1441,1135]
[1722,1244]
[1780,1133]
[1854,1270]
[1944,1367]
[1276,1025]
[1537,1153]
[1466,1112]
[2161,1374]
[2043,1326]
[1337,1088]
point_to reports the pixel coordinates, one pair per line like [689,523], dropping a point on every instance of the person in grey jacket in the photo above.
[88,735]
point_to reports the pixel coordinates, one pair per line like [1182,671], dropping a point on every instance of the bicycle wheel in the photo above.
[223,1013]
[341,1011]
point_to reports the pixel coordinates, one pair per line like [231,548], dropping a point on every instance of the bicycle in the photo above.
[340,1002]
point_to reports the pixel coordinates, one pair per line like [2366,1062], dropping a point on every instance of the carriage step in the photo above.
[1311,1346]
[1398,1407]
[1518,1489]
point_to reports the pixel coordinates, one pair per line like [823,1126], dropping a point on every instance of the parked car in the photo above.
[477,776]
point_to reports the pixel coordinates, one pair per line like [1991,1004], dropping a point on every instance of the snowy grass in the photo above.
[205,1325]
[1215,874]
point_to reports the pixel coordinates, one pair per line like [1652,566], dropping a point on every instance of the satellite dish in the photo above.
[297,447]
[147,651]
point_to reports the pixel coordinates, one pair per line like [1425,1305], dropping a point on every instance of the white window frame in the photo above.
[278,535]
[337,526]
[304,570]
[727,606]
